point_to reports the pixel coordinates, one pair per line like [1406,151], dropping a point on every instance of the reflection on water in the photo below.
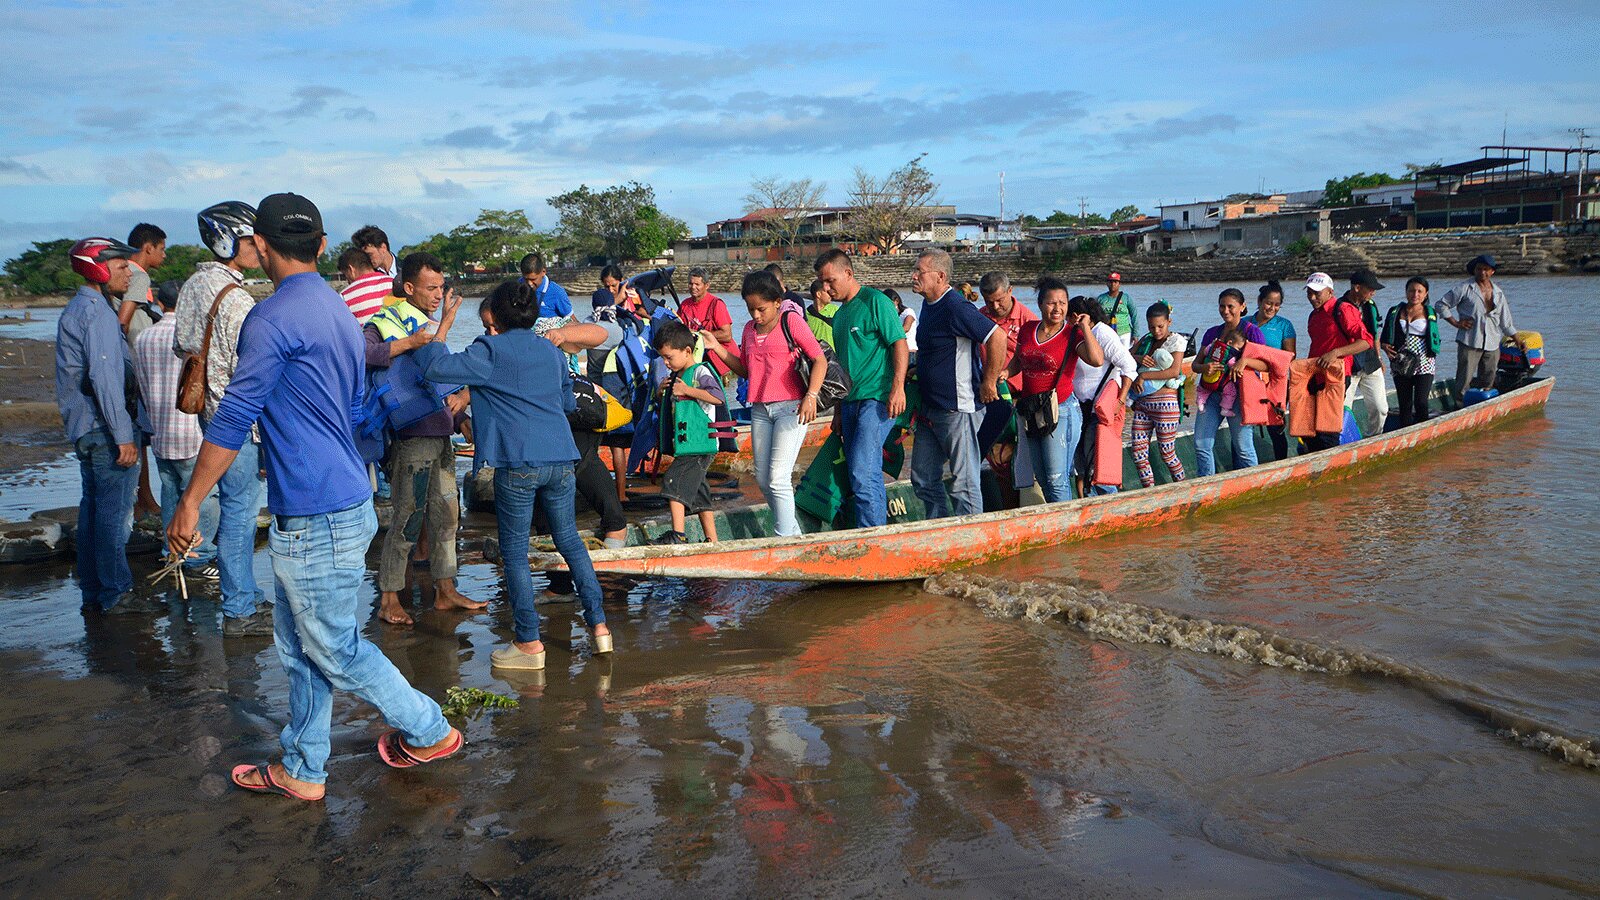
[756,738]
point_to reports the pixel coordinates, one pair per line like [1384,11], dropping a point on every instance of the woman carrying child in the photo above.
[1219,367]
[781,406]
[1157,403]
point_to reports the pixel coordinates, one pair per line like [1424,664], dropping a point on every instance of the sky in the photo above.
[415,115]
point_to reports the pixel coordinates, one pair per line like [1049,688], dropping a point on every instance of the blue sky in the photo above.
[415,115]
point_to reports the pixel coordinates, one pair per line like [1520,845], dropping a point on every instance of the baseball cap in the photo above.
[288,216]
[1365,278]
[1319,281]
[1114,276]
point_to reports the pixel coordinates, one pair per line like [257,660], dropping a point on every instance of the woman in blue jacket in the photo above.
[522,391]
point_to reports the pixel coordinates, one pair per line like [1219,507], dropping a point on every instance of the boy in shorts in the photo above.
[688,405]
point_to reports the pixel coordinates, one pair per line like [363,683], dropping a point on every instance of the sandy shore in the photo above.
[30,423]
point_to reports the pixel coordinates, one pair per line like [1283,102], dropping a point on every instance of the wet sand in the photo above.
[752,738]
[30,422]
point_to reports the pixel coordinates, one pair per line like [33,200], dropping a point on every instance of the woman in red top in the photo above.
[1047,352]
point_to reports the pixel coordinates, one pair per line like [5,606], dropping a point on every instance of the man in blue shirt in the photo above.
[956,384]
[93,372]
[553,299]
[300,373]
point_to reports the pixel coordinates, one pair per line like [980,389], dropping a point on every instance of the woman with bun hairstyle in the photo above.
[522,392]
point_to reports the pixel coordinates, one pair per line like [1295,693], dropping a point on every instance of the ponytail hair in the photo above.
[514,304]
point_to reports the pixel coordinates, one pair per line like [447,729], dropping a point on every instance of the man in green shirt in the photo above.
[1119,310]
[871,345]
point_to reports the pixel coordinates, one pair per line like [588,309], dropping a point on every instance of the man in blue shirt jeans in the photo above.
[93,370]
[300,373]
[952,338]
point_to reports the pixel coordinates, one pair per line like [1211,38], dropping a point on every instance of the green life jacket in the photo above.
[1394,334]
[398,321]
[686,428]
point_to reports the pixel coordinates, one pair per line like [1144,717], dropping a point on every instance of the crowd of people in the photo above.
[324,401]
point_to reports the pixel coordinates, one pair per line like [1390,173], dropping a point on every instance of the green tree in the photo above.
[450,247]
[1126,213]
[328,263]
[180,262]
[616,223]
[1340,191]
[44,268]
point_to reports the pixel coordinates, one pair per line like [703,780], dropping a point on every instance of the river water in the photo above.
[957,737]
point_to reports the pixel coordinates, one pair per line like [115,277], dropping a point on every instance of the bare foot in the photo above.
[447,597]
[601,629]
[306,790]
[451,742]
[390,610]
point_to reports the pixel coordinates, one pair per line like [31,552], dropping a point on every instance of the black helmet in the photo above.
[222,225]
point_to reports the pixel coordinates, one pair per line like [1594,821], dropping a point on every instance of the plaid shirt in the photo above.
[177,434]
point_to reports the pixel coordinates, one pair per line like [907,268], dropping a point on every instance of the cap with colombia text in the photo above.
[288,216]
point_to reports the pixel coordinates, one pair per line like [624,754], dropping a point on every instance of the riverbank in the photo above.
[30,422]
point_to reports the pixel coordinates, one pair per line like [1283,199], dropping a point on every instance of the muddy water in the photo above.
[750,738]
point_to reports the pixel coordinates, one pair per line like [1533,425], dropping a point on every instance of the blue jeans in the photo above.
[239,493]
[1051,455]
[175,475]
[775,438]
[863,427]
[105,519]
[947,435]
[1206,423]
[554,488]
[318,563]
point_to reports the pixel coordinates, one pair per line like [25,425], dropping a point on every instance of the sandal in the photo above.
[268,784]
[392,750]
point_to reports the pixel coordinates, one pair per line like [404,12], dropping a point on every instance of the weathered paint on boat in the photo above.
[920,549]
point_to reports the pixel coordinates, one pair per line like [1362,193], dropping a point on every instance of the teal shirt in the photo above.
[864,329]
[1119,310]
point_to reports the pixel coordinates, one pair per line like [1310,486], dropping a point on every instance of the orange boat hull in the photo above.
[916,550]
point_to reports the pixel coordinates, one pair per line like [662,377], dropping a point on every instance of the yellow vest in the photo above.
[398,321]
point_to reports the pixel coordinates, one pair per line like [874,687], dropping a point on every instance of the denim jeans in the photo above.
[1206,423]
[554,489]
[1051,455]
[863,427]
[175,475]
[105,519]
[945,435]
[239,496]
[775,438]
[318,563]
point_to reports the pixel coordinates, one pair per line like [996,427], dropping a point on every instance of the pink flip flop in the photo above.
[392,750]
[268,785]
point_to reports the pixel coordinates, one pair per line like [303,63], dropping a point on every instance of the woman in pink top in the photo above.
[781,406]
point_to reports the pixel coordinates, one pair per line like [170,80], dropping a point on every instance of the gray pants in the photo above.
[1470,362]
[422,485]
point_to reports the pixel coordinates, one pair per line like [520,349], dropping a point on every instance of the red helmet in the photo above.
[90,256]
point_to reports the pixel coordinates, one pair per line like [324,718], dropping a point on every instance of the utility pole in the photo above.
[1583,165]
[1083,209]
[1002,231]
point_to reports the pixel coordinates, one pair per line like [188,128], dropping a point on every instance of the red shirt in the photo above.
[709,313]
[1043,362]
[1333,325]
[1012,326]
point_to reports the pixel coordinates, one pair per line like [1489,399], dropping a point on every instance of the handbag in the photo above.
[191,397]
[835,384]
[1040,413]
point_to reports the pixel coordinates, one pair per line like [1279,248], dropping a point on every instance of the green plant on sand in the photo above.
[470,702]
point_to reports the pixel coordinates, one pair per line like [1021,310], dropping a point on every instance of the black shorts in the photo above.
[685,482]
[618,438]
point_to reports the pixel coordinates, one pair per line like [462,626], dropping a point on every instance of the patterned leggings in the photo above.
[1158,412]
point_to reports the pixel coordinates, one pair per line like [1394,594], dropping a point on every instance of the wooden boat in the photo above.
[917,549]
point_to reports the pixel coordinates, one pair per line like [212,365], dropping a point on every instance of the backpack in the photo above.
[835,384]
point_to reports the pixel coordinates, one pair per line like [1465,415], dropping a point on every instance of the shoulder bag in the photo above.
[835,384]
[1040,413]
[192,382]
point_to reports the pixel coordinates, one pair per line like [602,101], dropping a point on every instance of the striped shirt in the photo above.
[177,434]
[366,294]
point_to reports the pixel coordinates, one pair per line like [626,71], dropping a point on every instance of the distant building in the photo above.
[741,239]
[1506,186]
[1207,213]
